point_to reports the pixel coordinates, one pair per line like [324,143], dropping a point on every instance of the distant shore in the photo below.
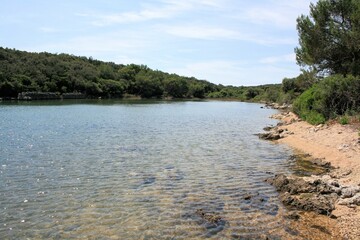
[334,143]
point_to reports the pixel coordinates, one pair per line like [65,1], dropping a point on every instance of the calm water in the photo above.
[137,170]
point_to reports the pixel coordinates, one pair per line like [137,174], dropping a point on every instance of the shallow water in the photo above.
[138,170]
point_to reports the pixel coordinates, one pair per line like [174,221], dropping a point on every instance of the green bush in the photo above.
[315,118]
[334,96]
[344,120]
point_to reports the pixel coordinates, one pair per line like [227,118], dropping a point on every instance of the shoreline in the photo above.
[336,144]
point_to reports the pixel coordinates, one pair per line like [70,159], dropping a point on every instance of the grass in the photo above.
[344,120]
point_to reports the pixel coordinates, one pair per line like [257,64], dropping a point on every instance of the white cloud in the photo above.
[278,13]
[218,33]
[97,45]
[201,32]
[236,73]
[290,58]
[168,9]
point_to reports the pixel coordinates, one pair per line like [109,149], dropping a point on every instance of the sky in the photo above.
[229,42]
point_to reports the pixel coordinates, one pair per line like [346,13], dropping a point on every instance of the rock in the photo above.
[209,217]
[292,185]
[319,203]
[313,194]
[349,192]
[267,129]
[340,174]
[269,136]
[321,163]
[293,216]
[355,200]
[322,229]
[247,197]
[274,134]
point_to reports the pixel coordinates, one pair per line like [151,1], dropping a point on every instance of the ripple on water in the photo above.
[141,172]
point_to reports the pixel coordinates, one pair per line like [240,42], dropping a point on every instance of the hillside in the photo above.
[22,71]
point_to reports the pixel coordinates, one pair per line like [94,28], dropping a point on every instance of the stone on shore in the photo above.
[316,193]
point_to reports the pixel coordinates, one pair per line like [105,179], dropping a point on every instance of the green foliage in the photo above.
[344,120]
[62,73]
[294,87]
[330,37]
[315,118]
[196,90]
[333,96]
[112,88]
[175,86]
[148,85]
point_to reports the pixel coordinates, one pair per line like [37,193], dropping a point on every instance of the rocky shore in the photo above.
[334,193]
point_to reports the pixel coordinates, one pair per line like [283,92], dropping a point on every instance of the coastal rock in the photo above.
[355,200]
[316,193]
[308,194]
[349,192]
[278,106]
[267,129]
[271,136]
[322,204]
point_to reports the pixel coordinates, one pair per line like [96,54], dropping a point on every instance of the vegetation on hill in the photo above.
[22,71]
[44,72]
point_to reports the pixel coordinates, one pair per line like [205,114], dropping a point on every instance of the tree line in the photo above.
[22,71]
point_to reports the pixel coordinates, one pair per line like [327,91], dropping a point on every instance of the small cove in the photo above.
[138,170]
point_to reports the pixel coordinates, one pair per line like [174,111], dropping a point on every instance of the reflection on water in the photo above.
[138,171]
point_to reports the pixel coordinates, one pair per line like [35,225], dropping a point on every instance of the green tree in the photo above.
[196,90]
[112,88]
[176,87]
[148,85]
[329,38]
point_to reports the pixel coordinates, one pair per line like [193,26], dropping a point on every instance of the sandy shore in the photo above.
[334,143]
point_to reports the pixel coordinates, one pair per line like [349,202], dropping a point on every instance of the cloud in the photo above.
[167,9]
[236,73]
[290,58]
[278,13]
[219,33]
[98,45]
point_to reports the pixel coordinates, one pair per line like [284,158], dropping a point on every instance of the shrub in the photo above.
[344,120]
[332,97]
[315,118]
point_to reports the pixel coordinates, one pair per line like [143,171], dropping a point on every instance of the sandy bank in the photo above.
[334,143]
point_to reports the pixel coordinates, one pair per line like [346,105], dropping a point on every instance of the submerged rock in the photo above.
[209,217]
[213,222]
[305,165]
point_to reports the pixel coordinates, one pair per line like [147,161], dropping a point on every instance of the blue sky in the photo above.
[232,42]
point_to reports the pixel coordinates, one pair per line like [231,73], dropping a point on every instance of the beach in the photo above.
[334,143]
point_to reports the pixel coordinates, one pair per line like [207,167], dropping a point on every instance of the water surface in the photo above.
[137,170]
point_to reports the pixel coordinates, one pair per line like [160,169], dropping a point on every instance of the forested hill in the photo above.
[22,71]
